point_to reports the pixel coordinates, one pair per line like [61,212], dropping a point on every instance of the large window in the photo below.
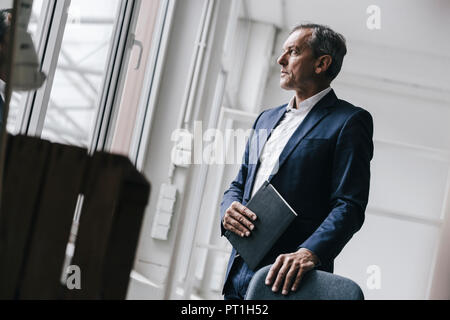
[82,46]
[77,87]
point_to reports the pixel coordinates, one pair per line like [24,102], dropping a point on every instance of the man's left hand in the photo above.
[289,269]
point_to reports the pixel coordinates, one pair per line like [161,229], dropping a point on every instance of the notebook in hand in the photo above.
[274,217]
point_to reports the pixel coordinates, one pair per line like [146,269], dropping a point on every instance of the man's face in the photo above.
[297,61]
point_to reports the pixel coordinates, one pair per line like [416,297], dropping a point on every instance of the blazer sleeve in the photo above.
[236,190]
[350,185]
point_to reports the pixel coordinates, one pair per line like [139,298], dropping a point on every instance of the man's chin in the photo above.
[285,86]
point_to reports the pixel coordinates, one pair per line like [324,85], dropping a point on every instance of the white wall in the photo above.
[251,56]
[158,260]
[6,4]
[154,256]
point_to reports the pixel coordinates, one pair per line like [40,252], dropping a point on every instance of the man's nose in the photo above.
[282,60]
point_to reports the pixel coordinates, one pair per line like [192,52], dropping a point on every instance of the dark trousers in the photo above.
[238,280]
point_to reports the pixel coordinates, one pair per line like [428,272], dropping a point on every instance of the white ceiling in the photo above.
[411,24]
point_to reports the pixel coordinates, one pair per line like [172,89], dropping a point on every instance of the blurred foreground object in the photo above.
[42,186]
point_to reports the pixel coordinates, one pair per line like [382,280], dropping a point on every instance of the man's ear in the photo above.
[323,64]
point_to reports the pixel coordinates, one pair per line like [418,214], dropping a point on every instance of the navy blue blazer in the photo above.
[324,174]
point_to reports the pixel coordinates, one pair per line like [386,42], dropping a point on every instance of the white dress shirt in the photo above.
[281,135]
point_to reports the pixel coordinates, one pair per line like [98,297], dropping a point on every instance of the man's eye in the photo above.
[290,52]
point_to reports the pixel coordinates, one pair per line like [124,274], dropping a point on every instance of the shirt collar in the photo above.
[309,103]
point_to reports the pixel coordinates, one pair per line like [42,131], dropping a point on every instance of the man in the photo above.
[317,156]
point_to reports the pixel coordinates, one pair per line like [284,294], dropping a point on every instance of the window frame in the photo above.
[152,82]
[116,73]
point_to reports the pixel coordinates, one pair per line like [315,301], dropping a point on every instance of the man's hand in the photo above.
[238,220]
[289,269]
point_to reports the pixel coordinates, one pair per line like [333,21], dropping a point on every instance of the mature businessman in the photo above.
[317,156]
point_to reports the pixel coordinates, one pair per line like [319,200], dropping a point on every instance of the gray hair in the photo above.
[325,41]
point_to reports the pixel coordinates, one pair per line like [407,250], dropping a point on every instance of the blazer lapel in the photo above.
[266,130]
[262,135]
[320,111]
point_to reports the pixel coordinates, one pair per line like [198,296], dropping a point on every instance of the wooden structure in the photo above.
[42,185]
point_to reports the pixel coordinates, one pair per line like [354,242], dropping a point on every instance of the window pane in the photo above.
[78,82]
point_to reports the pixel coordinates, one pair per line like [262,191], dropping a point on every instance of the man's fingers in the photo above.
[236,231]
[249,213]
[298,280]
[304,269]
[236,227]
[290,278]
[241,219]
[287,272]
[273,272]
[244,210]
[280,277]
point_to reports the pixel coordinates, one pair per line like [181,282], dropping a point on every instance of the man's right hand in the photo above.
[238,219]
